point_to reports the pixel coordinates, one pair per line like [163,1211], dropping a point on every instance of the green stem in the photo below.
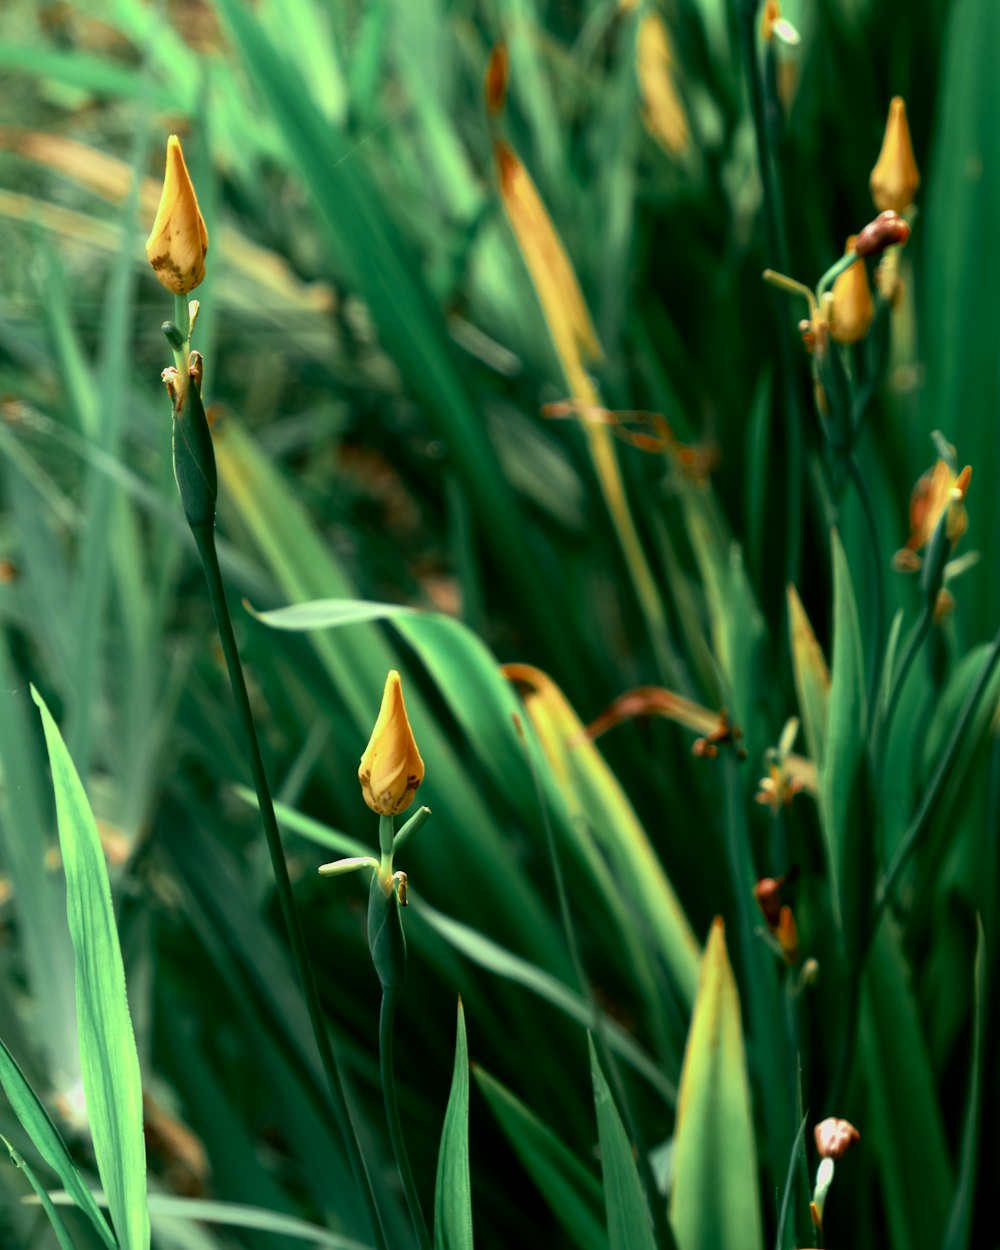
[935,787]
[204,536]
[387,1017]
[777,247]
[875,566]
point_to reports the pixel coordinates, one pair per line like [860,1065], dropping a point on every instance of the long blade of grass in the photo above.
[572,1191]
[916,1172]
[55,1219]
[630,1224]
[452,1190]
[963,1204]
[110,1066]
[47,1141]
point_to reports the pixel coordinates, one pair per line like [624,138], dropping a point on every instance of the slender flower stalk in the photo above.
[176,249]
[389,773]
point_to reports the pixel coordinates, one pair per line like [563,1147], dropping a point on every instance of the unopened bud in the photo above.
[391,767]
[787,933]
[895,178]
[767,892]
[853,310]
[835,1137]
[178,242]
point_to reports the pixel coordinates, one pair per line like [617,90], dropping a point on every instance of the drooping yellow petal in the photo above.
[391,768]
[663,112]
[553,277]
[575,342]
[178,241]
[895,178]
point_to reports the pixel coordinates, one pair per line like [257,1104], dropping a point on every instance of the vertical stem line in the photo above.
[386,1019]
[204,536]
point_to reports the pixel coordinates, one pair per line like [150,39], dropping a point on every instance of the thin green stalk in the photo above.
[204,536]
[932,794]
[386,1019]
[777,246]
[875,567]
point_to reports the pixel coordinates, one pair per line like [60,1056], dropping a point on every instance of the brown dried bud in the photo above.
[887,230]
[835,1137]
[787,933]
[495,82]
[767,892]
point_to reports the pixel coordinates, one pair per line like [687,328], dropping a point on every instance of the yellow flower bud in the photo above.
[853,309]
[895,178]
[178,242]
[391,767]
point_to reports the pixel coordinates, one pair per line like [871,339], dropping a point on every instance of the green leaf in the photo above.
[488,954]
[840,778]
[109,1062]
[453,1190]
[571,1190]
[715,1201]
[812,677]
[904,1110]
[630,1226]
[47,1141]
[238,1215]
[55,1219]
[963,1204]
[328,613]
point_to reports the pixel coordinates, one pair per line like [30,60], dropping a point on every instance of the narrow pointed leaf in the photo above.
[715,1201]
[55,1219]
[453,1190]
[630,1226]
[812,677]
[109,1062]
[45,1137]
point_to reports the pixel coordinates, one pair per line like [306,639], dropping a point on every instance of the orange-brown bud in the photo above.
[835,1137]
[391,767]
[495,83]
[767,892]
[787,933]
[887,230]
[178,241]
[895,178]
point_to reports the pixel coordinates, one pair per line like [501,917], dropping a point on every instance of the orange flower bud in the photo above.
[853,310]
[178,242]
[835,1137]
[391,767]
[895,178]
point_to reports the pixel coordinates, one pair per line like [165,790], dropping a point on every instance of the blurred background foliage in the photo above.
[377,362]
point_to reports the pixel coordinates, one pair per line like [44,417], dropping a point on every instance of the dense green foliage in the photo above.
[402,487]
